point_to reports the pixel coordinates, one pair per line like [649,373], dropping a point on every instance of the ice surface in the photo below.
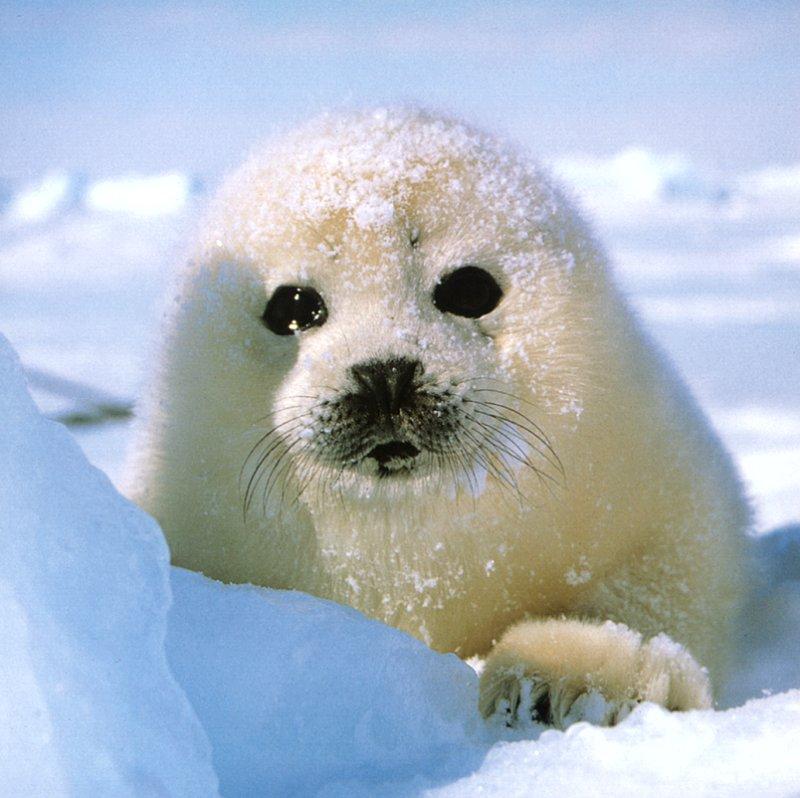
[87,703]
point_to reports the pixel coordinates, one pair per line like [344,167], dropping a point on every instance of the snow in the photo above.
[741,752]
[301,696]
[638,181]
[296,692]
[140,195]
[632,175]
[88,705]
[373,212]
[42,199]
[773,180]
[57,193]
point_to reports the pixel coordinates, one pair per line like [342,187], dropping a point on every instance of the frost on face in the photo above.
[580,574]
[363,170]
[373,211]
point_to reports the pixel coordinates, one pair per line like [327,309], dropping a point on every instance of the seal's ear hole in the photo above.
[469,291]
[293,308]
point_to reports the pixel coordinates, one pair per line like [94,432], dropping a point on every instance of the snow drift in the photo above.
[57,193]
[88,705]
[296,692]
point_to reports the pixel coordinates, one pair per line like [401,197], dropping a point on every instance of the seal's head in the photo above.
[385,307]
[401,286]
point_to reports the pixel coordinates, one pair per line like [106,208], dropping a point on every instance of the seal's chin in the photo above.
[394,457]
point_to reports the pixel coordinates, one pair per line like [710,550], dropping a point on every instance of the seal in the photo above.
[398,374]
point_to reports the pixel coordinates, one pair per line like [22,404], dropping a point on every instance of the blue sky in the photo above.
[118,87]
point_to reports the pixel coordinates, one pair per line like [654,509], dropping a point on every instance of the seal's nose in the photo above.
[389,384]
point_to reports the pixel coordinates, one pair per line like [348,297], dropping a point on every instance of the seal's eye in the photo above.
[468,291]
[293,308]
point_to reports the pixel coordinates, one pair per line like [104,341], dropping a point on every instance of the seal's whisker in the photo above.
[535,428]
[282,408]
[258,472]
[500,432]
[487,460]
[311,467]
[300,458]
[511,446]
[270,445]
[501,470]
[505,437]
[535,431]
[266,435]
[514,397]
[276,471]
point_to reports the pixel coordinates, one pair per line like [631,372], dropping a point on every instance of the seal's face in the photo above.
[411,285]
[384,392]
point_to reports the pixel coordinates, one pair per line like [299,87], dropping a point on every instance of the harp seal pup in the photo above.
[398,374]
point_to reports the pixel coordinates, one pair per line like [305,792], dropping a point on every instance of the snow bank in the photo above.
[749,752]
[295,692]
[87,703]
[304,697]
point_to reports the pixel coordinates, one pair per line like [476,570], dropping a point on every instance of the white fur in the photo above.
[643,526]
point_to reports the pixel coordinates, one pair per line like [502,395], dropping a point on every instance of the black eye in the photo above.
[293,308]
[468,291]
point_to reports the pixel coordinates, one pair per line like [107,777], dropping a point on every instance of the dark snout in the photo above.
[387,386]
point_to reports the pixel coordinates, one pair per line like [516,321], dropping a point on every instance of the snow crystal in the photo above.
[580,575]
[362,170]
[373,212]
